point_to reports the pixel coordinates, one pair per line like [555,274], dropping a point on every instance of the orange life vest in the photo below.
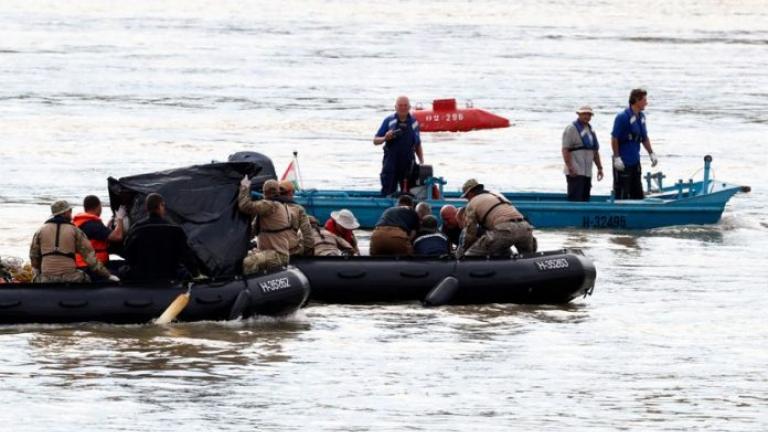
[99,246]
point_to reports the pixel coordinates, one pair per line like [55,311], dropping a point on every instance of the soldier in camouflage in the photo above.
[302,241]
[53,249]
[503,225]
[274,224]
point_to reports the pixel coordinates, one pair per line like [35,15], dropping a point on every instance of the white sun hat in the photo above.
[345,218]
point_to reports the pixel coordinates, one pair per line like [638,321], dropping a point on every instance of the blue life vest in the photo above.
[629,128]
[586,134]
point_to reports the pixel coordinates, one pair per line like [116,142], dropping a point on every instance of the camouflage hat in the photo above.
[470,185]
[59,207]
[271,187]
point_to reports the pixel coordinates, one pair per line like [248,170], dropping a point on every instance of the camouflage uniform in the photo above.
[301,241]
[274,221]
[53,249]
[329,244]
[504,227]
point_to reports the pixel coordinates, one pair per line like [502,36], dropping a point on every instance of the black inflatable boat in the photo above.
[272,294]
[542,278]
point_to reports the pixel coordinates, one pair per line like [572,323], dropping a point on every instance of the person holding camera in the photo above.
[399,132]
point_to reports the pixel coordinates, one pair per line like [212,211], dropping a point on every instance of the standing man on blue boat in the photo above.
[580,150]
[629,131]
[399,133]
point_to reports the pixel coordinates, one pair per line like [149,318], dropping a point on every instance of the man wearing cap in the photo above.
[54,246]
[399,133]
[274,223]
[328,243]
[297,244]
[581,149]
[395,229]
[629,131]
[504,225]
[430,242]
[343,223]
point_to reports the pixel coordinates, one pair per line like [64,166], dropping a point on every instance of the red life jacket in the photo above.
[99,246]
[347,235]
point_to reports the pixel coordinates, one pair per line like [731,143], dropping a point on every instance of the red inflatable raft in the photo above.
[445,117]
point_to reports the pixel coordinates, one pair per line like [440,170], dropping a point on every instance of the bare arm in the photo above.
[615,146]
[567,160]
[647,145]
[599,165]
[116,235]
[420,154]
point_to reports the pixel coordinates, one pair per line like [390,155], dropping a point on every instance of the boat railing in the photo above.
[682,188]
[430,182]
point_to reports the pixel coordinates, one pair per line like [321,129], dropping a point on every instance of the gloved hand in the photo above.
[618,163]
[120,214]
[654,159]
[245,182]
[113,278]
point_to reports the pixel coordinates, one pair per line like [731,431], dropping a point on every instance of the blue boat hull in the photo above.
[671,206]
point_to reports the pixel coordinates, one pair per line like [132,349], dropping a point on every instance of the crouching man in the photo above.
[504,225]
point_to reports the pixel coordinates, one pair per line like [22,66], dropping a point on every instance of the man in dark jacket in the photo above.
[430,242]
[156,248]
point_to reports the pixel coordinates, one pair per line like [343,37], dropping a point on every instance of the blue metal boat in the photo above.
[683,203]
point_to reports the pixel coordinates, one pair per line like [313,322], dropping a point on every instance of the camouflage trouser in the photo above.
[260,260]
[496,242]
[75,276]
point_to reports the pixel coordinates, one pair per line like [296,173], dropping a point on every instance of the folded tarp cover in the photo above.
[202,199]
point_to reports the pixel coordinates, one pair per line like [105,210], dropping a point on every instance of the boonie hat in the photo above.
[469,185]
[271,186]
[345,218]
[59,207]
[586,109]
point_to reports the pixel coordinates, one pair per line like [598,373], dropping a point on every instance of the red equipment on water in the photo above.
[445,117]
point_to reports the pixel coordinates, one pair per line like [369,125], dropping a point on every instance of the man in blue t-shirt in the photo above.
[629,131]
[399,133]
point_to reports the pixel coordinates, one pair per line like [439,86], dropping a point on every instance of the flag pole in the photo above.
[298,171]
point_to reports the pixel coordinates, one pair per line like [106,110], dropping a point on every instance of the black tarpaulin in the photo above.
[202,199]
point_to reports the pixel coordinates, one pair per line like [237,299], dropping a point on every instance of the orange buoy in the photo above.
[446,117]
